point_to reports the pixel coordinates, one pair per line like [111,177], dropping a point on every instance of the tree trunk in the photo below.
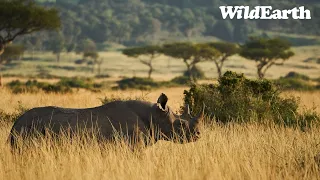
[1,48]
[32,53]
[219,72]
[219,68]
[58,57]
[0,73]
[99,69]
[0,79]
[260,73]
[92,70]
[150,71]
[188,69]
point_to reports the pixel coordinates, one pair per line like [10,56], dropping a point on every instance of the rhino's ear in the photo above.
[162,101]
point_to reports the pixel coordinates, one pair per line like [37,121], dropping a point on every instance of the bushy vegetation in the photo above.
[296,81]
[33,86]
[238,99]
[137,83]
[181,80]
[65,85]
[147,84]
[76,82]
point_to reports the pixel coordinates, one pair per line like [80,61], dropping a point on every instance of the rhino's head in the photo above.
[179,128]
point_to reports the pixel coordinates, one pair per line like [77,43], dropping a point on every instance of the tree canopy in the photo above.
[150,52]
[266,52]
[226,50]
[20,17]
[190,53]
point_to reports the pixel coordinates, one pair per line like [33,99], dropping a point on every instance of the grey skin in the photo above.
[135,120]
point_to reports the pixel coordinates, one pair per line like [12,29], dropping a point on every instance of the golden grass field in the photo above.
[248,151]
[224,152]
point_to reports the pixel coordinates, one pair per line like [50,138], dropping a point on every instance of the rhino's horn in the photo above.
[186,111]
[194,121]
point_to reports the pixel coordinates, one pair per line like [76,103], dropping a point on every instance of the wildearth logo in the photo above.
[264,12]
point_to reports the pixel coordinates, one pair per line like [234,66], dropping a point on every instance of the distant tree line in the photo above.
[266,52]
[142,22]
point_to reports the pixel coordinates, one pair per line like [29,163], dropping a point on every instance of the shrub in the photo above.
[137,83]
[56,88]
[295,81]
[80,61]
[238,99]
[33,86]
[181,80]
[102,76]
[294,84]
[296,75]
[196,73]
[65,85]
[76,83]
[16,86]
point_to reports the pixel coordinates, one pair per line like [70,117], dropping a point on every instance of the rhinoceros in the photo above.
[133,118]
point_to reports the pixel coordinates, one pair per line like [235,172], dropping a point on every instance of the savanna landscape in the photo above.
[256,124]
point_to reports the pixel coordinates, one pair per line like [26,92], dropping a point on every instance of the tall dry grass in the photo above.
[249,151]
[232,152]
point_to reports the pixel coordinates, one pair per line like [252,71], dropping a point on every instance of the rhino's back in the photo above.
[114,116]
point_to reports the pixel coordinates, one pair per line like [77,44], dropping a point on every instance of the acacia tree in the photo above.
[226,50]
[191,54]
[86,45]
[20,17]
[181,50]
[56,44]
[145,54]
[99,62]
[93,56]
[266,52]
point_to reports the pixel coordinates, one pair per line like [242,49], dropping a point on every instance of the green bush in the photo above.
[76,83]
[137,83]
[33,86]
[294,84]
[65,85]
[56,88]
[180,80]
[295,81]
[102,76]
[296,75]
[238,99]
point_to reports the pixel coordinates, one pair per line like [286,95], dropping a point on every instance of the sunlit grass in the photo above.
[248,151]
[224,152]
